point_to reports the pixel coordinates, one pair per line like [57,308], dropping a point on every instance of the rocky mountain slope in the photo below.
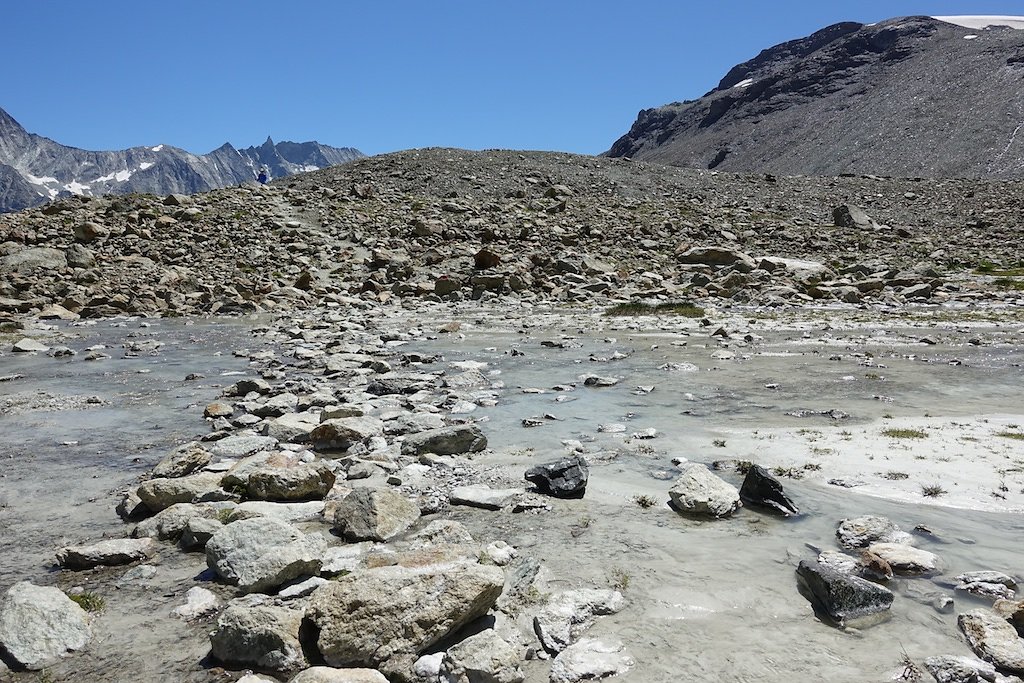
[523,228]
[909,97]
[34,169]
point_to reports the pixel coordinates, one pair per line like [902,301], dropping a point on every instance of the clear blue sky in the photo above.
[384,75]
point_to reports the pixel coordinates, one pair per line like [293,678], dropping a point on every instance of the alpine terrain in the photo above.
[35,170]
[913,96]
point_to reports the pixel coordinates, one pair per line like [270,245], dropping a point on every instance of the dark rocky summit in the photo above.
[34,169]
[912,96]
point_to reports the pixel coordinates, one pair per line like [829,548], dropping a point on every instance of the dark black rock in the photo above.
[763,490]
[842,596]
[565,478]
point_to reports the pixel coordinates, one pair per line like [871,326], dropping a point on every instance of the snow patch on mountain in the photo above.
[120,177]
[984,21]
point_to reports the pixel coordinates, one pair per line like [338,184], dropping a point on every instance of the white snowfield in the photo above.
[984,21]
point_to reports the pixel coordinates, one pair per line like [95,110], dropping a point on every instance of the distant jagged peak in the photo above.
[983,21]
[9,126]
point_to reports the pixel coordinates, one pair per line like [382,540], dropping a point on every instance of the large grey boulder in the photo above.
[369,514]
[344,432]
[106,553]
[326,674]
[26,260]
[589,660]
[159,494]
[262,553]
[385,617]
[263,637]
[842,596]
[183,461]
[860,532]
[445,441]
[300,481]
[39,624]
[198,531]
[993,639]
[482,658]
[568,614]
[717,256]
[700,492]
[851,216]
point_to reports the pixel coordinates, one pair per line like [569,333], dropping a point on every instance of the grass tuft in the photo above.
[932,491]
[1019,436]
[895,433]
[645,501]
[90,602]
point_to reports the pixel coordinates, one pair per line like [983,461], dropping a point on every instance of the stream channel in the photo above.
[706,599]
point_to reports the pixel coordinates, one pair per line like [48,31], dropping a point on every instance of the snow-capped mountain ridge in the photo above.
[35,169]
[984,21]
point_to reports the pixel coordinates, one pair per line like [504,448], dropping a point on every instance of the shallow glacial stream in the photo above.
[707,600]
[719,599]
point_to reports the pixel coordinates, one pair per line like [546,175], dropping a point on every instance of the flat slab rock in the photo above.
[860,532]
[590,660]
[569,613]
[107,553]
[952,669]
[326,674]
[905,558]
[484,497]
[40,624]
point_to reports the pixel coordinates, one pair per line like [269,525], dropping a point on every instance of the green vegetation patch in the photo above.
[1009,283]
[894,433]
[90,602]
[1019,436]
[685,310]
[986,268]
